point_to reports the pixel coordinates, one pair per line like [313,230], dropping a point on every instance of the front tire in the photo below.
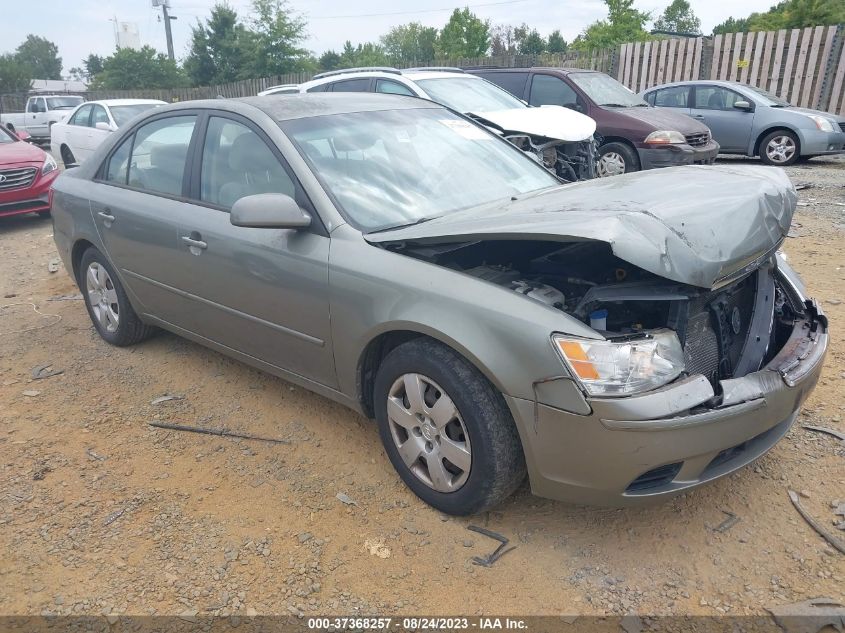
[107,303]
[446,429]
[616,159]
[67,156]
[780,148]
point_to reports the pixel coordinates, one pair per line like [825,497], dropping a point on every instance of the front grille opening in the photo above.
[655,478]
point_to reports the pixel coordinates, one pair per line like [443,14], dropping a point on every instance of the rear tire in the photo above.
[107,304]
[615,159]
[461,458]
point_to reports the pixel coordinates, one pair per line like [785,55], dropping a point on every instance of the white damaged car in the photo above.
[559,137]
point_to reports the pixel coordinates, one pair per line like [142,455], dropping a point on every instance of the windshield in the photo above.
[397,167]
[124,113]
[606,91]
[63,103]
[468,94]
[768,97]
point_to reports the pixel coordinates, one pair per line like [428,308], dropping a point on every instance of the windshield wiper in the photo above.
[614,105]
[404,226]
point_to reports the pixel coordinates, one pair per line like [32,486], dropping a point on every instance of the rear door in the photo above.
[138,197]
[731,127]
[262,292]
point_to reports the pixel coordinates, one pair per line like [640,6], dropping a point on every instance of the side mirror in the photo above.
[742,105]
[269,211]
[105,127]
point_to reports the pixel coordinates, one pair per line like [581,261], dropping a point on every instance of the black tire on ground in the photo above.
[626,152]
[67,156]
[130,328]
[796,154]
[498,463]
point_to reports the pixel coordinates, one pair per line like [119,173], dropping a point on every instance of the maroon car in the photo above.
[26,174]
[635,135]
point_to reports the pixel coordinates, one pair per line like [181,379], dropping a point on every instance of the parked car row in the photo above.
[40,114]
[404,259]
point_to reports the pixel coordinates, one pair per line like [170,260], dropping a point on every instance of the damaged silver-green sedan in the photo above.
[619,340]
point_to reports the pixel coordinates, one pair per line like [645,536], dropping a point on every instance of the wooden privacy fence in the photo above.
[804,66]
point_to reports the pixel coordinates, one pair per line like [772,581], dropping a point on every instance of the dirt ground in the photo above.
[102,514]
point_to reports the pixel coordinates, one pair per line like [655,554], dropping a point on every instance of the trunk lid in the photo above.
[698,225]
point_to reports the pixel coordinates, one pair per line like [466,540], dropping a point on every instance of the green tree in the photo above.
[220,49]
[624,23]
[410,43]
[733,25]
[14,76]
[367,54]
[146,68]
[795,14]
[556,43]
[678,17]
[41,56]
[278,33]
[330,60]
[503,40]
[465,35]
[532,43]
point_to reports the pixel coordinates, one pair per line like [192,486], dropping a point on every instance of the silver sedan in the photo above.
[400,259]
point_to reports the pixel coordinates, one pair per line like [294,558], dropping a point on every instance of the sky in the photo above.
[80,27]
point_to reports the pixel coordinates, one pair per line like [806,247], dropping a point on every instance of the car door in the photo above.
[36,117]
[76,134]
[731,126]
[136,202]
[675,97]
[262,292]
[552,90]
[96,136]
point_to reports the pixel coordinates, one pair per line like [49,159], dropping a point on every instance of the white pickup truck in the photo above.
[41,113]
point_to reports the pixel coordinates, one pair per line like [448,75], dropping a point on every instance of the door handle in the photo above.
[194,243]
[108,218]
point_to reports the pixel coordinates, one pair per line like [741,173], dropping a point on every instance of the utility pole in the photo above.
[165,5]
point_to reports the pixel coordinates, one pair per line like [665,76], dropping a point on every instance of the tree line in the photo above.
[269,40]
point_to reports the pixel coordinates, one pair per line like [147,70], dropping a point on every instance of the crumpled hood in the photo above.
[554,122]
[699,225]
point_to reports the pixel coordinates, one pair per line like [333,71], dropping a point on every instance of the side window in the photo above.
[649,98]
[549,90]
[81,116]
[715,98]
[393,87]
[514,83]
[159,155]
[236,162]
[99,116]
[37,105]
[118,166]
[318,88]
[675,97]
[352,85]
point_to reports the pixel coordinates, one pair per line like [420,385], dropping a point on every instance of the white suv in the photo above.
[561,138]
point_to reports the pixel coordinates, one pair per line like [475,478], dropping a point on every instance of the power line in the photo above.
[375,15]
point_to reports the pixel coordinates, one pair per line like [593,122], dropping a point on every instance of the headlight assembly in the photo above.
[49,165]
[665,137]
[824,124]
[623,367]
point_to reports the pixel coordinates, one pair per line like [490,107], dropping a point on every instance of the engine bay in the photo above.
[726,332]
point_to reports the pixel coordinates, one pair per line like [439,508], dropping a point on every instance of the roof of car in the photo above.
[709,82]
[563,71]
[124,102]
[301,106]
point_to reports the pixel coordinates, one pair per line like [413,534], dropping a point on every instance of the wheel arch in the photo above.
[76,253]
[755,151]
[382,343]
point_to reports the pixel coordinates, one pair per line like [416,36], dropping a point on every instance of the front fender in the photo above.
[505,335]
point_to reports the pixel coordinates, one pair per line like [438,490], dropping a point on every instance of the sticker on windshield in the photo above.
[466,129]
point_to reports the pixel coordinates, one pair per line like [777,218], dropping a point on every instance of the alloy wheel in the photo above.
[429,433]
[102,297]
[611,164]
[780,149]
